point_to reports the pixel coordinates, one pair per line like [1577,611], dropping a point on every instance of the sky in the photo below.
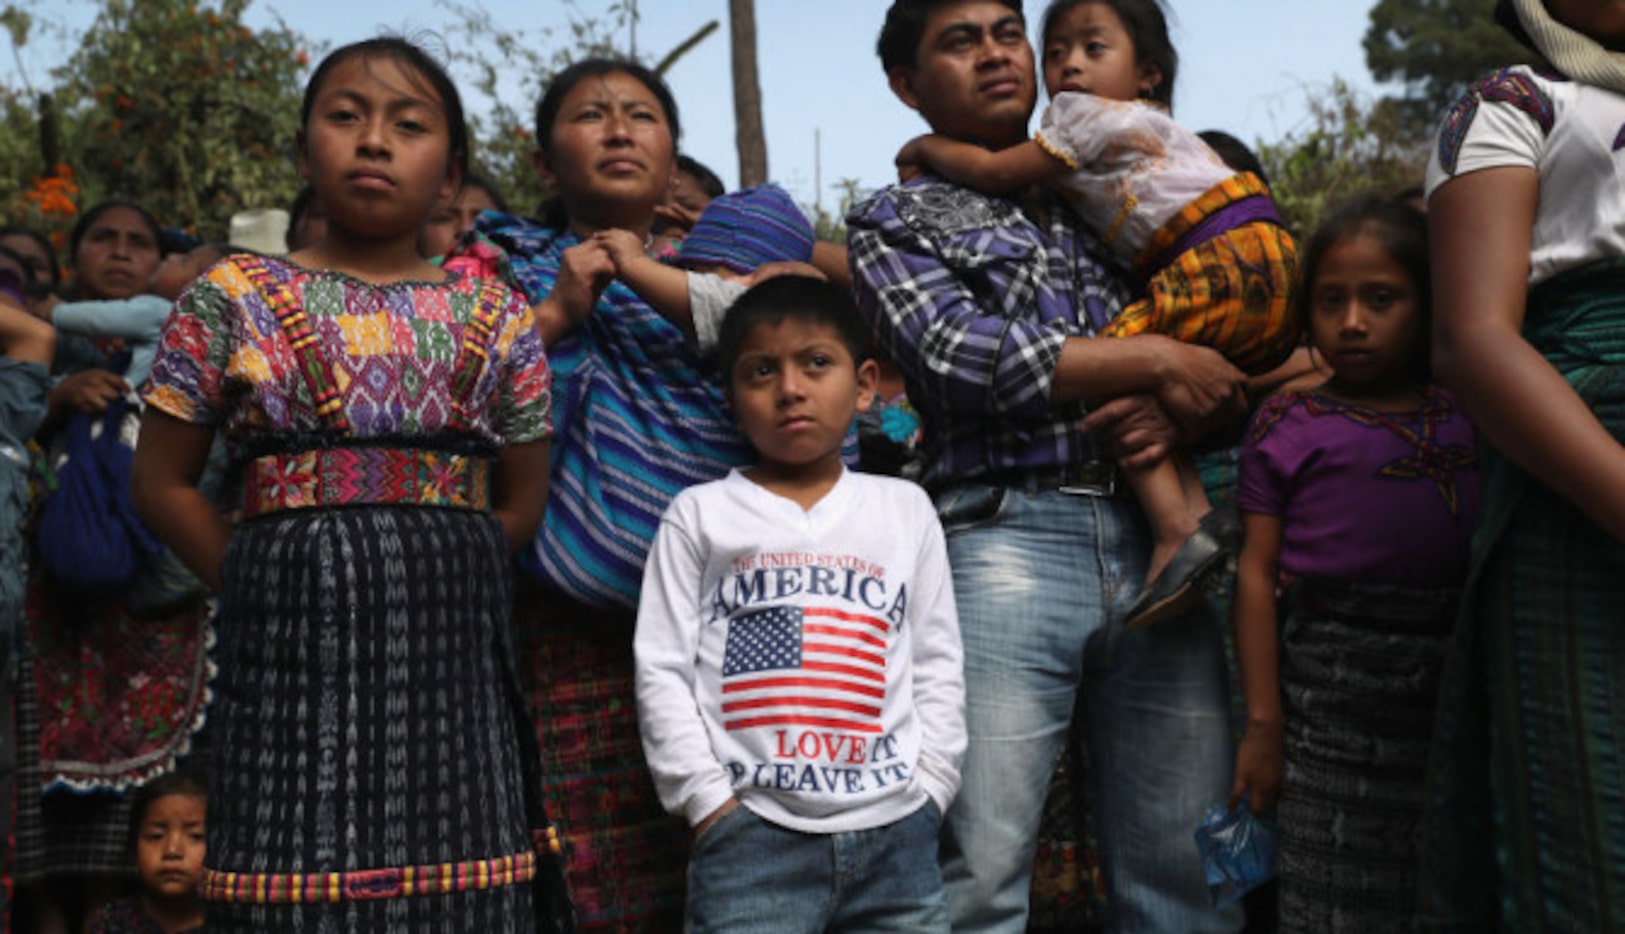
[1247,66]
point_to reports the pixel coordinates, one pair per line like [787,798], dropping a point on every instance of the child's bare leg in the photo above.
[1174,501]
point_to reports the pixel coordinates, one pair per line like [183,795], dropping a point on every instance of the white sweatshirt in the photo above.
[806,662]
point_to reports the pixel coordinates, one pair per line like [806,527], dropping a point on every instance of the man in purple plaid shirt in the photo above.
[990,306]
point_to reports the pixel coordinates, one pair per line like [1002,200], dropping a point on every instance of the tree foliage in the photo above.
[21,159]
[184,108]
[829,225]
[1351,147]
[485,55]
[1435,49]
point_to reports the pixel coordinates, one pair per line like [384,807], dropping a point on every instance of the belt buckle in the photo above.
[1096,478]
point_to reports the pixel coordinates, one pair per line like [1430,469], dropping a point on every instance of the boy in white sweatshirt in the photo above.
[799,682]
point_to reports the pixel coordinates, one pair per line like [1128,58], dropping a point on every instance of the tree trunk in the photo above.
[50,135]
[748,134]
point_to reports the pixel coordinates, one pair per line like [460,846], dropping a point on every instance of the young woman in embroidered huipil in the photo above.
[391,423]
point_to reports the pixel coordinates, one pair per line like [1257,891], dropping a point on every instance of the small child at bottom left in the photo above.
[167,838]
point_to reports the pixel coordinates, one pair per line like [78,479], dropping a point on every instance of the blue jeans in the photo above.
[1043,581]
[748,876]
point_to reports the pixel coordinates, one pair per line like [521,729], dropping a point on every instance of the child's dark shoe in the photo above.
[1178,587]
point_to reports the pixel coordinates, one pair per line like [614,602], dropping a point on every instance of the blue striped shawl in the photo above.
[636,419]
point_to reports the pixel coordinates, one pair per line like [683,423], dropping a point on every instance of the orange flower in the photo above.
[53,195]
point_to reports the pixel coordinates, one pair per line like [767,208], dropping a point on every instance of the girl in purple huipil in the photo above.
[1358,501]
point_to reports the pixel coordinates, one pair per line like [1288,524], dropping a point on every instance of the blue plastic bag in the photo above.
[1238,851]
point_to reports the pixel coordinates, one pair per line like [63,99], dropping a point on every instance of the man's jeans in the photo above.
[748,876]
[1043,581]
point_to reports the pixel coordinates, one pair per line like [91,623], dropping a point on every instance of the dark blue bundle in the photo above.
[89,537]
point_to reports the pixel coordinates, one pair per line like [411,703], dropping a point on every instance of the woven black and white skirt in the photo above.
[1360,672]
[367,774]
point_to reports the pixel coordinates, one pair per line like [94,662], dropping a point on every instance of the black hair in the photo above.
[411,58]
[552,100]
[297,212]
[904,30]
[89,218]
[476,180]
[1506,15]
[1411,193]
[707,179]
[21,283]
[1235,153]
[802,298]
[1401,231]
[176,240]
[547,108]
[28,282]
[187,780]
[18,230]
[1147,27]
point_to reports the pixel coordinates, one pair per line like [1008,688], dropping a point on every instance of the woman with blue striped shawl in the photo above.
[1527,211]
[636,419]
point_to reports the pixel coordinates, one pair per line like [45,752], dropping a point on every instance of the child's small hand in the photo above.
[44,307]
[950,158]
[1258,767]
[88,391]
[1197,386]
[623,246]
[913,159]
[584,270]
[678,216]
[1138,431]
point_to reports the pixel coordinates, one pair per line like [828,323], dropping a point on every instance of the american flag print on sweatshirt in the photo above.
[805,666]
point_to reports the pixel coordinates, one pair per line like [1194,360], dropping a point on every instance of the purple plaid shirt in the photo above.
[974,301]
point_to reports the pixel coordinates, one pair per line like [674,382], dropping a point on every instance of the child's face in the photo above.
[1089,50]
[169,846]
[33,253]
[377,148]
[687,193]
[795,390]
[1365,316]
[446,224]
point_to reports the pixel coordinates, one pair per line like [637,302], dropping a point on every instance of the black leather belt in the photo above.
[1094,478]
